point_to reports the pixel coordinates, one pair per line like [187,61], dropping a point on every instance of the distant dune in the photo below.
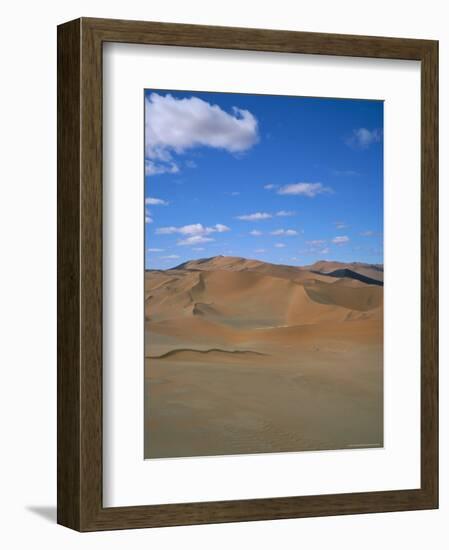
[350,274]
[372,271]
[259,357]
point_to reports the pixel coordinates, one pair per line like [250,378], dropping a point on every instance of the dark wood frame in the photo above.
[80,274]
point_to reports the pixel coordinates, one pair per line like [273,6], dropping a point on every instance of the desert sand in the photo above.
[243,356]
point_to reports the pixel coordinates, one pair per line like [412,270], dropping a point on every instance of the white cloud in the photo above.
[265,215]
[154,201]
[166,230]
[152,168]
[235,193]
[280,245]
[194,239]
[148,218]
[195,233]
[270,186]
[285,232]
[260,250]
[362,138]
[367,233]
[305,189]
[325,251]
[255,233]
[340,240]
[175,125]
[198,249]
[193,229]
[171,257]
[285,213]
[255,217]
[221,228]
[155,250]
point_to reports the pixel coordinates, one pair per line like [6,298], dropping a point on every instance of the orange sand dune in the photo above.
[249,299]
[348,295]
[244,356]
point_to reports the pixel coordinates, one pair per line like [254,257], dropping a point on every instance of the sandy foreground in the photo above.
[247,357]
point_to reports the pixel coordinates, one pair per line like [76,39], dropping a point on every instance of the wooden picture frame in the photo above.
[80,503]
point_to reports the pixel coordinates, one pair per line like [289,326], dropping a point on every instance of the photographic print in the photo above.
[263,274]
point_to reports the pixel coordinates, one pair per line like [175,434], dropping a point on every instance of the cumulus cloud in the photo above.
[221,228]
[362,138]
[175,125]
[270,186]
[166,230]
[255,233]
[195,233]
[304,189]
[285,232]
[148,218]
[341,239]
[194,239]
[154,201]
[193,229]
[152,168]
[257,216]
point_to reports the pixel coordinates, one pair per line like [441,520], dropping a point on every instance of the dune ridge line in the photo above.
[204,351]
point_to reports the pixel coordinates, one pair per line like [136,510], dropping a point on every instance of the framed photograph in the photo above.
[247,274]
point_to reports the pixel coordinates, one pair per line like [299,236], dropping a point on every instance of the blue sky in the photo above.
[288,180]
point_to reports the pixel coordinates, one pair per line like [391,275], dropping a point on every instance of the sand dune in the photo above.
[373,271]
[260,357]
[349,296]
[250,299]
[321,268]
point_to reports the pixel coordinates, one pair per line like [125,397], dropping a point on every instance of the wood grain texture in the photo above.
[80,274]
[69,408]
[429,271]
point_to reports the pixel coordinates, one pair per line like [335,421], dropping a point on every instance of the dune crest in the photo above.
[186,352]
